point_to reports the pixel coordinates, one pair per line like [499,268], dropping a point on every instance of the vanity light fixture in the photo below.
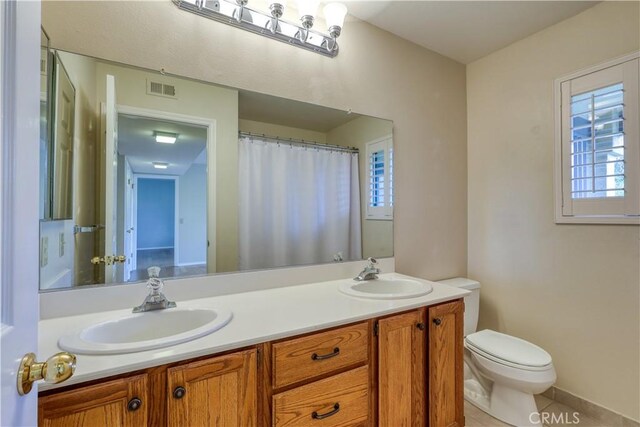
[160,165]
[165,137]
[269,23]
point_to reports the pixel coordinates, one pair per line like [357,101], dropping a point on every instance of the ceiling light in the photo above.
[165,137]
[160,165]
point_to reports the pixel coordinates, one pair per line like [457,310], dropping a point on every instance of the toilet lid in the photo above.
[508,348]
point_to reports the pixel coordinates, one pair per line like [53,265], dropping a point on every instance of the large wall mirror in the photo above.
[142,169]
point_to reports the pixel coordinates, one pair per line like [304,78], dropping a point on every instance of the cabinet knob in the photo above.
[421,326]
[437,321]
[179,392]
[134,404]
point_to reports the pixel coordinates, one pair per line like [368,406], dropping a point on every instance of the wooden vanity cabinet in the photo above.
[401,370]
[221,391]
[217,391]
[119,402]
[321,379]
[420,367]
[445,383]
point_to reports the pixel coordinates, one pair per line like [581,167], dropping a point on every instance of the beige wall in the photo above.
[376,74]
[377,235]
[199,100]
[572,289]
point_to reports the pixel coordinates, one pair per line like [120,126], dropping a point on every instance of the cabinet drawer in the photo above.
[315,355]
[341,400]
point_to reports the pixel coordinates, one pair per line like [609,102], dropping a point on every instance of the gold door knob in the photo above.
[56,369]
[108,259]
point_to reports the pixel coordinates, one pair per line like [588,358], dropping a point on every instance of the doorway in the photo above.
[155,218]
[162,195]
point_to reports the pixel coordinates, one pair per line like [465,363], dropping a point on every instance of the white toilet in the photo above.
[501,372]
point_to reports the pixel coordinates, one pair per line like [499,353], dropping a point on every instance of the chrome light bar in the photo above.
[238,14]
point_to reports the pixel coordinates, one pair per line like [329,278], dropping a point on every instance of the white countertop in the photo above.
[258,317]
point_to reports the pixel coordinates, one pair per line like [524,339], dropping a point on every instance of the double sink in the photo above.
[164,328]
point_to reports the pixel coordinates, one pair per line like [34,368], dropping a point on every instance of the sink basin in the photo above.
[386,288]
[145,331]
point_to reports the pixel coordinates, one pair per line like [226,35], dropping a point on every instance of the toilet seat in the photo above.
[507,350]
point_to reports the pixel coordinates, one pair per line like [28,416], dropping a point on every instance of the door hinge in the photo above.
[376,329]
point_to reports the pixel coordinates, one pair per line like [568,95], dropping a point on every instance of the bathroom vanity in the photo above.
[330,360]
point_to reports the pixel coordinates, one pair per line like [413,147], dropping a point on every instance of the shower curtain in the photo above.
[298,205]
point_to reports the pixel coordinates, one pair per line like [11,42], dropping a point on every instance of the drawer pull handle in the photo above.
[134,404]
[317,416]
[316,356]
[179,392]
[437,321]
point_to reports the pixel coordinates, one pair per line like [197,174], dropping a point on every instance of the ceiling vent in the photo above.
[161,89]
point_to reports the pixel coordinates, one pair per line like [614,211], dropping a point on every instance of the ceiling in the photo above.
[137,143]
[464,30]
[286,112]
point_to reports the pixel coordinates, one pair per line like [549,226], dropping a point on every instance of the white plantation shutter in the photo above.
[380,179]
[600,144]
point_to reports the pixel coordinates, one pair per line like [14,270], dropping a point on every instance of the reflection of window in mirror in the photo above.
[380,177]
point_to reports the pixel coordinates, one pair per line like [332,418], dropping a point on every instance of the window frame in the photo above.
[562,174]
[379,213]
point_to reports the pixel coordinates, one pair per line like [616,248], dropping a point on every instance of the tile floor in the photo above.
[550,411]
[164,259]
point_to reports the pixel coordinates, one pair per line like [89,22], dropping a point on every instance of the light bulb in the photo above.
[334,14]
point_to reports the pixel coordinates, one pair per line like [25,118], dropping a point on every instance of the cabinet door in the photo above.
[221,391]
[121,402]
[401,370]
[446,398]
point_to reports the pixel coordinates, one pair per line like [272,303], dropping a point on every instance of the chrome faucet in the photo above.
[156,299]
[370,272]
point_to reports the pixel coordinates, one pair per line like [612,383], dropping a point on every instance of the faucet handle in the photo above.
[154,283]
[154,272]
[372,261]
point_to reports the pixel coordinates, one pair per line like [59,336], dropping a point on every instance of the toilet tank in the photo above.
[471,302]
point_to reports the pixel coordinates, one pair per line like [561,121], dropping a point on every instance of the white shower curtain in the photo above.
[298,205]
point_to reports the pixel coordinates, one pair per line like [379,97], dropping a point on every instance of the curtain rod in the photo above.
[300,142]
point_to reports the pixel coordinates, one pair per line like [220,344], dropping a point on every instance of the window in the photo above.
[380,179]
[598,145]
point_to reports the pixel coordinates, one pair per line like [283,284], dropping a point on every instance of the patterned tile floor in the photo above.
[550,411]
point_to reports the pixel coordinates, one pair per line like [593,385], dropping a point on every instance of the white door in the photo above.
[111,177]
[19,241]
[129,243]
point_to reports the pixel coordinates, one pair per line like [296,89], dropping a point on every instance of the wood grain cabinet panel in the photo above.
[315,355]
[401,370]
[446,369]
[340,400]
[107,404]
[221,391]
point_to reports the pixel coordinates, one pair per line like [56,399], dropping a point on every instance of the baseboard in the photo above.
[590,409]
